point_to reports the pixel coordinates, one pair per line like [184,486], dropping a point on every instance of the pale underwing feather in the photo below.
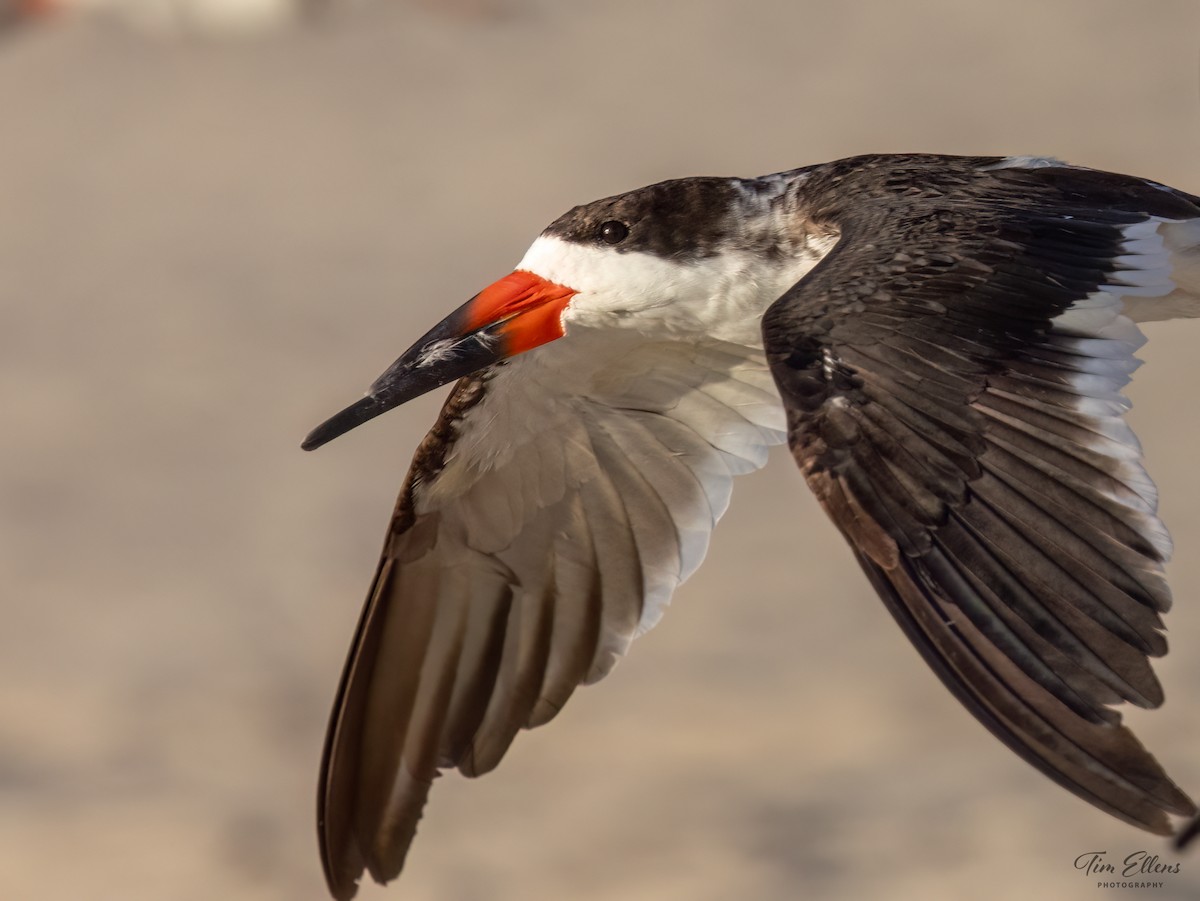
[525,563]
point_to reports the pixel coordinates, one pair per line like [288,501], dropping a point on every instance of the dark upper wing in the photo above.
[952,374]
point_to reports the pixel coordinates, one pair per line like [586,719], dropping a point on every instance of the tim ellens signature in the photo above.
[1139,863]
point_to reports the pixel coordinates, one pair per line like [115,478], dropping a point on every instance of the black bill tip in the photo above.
[340,423]
[447,352]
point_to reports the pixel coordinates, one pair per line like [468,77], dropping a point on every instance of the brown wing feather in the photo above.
[951,372]
[358,763]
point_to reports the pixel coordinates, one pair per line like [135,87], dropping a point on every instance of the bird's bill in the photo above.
[510,316]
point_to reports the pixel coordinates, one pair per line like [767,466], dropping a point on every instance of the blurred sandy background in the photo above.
[207,247]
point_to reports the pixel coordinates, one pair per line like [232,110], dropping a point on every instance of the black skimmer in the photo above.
[941,340]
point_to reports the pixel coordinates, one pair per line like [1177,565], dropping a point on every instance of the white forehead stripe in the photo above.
[600,270]
[722,296]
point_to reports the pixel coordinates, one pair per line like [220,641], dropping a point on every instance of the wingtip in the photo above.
[342,879]
[344,892]
[1187,835]
[341,859]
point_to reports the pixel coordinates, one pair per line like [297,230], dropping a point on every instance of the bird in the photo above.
[942,341]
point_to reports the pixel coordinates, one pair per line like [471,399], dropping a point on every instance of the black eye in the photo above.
[614,232]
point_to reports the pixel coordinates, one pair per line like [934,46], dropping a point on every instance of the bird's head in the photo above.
[678,259]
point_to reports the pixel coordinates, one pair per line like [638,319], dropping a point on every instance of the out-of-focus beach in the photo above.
[206,247]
